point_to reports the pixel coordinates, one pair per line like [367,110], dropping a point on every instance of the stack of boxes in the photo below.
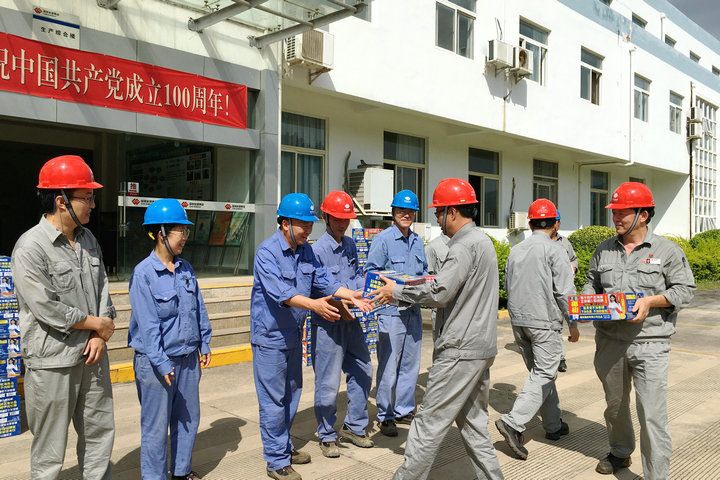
[307,341]
[9,353]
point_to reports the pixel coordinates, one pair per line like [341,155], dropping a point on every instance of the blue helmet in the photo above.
[164,211]
[558,217]
[405,199]
[297,206]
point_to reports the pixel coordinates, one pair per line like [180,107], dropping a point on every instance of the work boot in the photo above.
[297,457]
[285,473]
[564,430]
[357,440]
[513,438]
[388,428]
[329,449]
[563,366]
[405,419]
[189,476]
[611,464]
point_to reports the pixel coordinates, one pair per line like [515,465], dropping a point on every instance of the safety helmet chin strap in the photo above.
[70,208]
[444,222]
[165,240]
[632,227]
[292,234]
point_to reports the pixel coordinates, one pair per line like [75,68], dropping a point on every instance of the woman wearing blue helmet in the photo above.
[170,333]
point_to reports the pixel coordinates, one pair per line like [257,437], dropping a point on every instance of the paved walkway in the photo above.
[228,444]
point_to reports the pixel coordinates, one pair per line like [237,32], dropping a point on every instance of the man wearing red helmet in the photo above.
[538,280]
[465,293]
[636,260]
[339,346]
[66,316]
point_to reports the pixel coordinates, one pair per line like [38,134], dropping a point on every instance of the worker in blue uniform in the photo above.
[288,281]
[340,346]
[170,333]
[400,327]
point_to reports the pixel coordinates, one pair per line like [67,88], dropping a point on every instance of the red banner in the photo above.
[44,70]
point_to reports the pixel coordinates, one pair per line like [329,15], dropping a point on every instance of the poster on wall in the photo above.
[202,226]
[237,228]
[185,176]
[220,228]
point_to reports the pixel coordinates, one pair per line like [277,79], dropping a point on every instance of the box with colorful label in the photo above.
[9,347]
[603,306]
[7,286]
[10,408]
[10,429]
[8,387]
[10,367]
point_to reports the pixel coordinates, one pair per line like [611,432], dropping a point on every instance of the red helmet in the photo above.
[631,195]
[542,208]
[453,191]
[339,205]
[67,171]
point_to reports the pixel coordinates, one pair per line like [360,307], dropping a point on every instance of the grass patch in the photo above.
[708,285]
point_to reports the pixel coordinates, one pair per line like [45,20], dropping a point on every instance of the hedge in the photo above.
[502,250]
[585,241]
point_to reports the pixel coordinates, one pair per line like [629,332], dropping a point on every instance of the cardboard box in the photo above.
[604,306]
[10,367]
[7,287]
[8,387]
[10,428]
[9,347]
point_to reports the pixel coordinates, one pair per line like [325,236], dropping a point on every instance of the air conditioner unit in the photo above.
[500,54]
[696,115]
[695,131]
[518,221]
[314,48]
[372,188]
[522,61]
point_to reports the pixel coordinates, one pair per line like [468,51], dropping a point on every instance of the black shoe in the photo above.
[388,428]
[513,438]
[405,419]
[285,473]
[563,366]
[189,476]
[564,430]
[611,464]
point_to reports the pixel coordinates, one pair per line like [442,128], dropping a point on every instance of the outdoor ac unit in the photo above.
[500,54]
[372,188]
[522,61]
[518,221]
[695,131]
[314,48]
[696,115]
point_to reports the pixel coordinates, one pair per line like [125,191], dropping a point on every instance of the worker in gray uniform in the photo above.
[636,260]
[538,280]
[574,262]
[465,293]
[435,253]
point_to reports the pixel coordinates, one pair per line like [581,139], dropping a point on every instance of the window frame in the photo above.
[638,20]
[539,73]
[644,97]
[599,191]
[694,57]
[676,117]
[669,41]
[420,170]
[483,177]
[552,182]
[298,150]
[458,12]
[595,76]
[716,71]
[705,170]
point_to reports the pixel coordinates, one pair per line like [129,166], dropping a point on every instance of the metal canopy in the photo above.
[278,18]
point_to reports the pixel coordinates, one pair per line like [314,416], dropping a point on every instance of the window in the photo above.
[606,2]
[716,71]
[705,170]
[676,120]
[454,26]
[636,179]
[598,198]
[590,73]
[303,156]
[405,155]
[636,20]
[484,176]
[669,41]
[694,57]
[545,180]
[642,97]
[535,39]
[365,15]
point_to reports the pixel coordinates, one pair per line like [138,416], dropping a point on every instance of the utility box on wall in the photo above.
[372,188]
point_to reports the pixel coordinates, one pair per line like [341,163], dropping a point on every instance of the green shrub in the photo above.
[704,259]
[502,250]
[706,235]
[681,242]
[584,242]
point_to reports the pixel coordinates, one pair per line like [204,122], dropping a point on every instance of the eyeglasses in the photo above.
[185,232]
[87,200]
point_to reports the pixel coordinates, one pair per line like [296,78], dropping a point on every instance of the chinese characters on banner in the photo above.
[44,70]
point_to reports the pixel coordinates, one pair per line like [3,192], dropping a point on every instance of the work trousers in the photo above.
[175,407]
[339,348]
[646,365]
[457,391]
[83,394]
[541,350]
[278,383]
[398,352]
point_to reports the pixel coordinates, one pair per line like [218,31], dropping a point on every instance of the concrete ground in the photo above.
[228,444]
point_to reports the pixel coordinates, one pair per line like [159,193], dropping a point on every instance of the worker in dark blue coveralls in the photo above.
[340,346]
[288,282]
[400,327]
[170,333]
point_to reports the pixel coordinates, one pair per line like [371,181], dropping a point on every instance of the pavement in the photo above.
[229,447]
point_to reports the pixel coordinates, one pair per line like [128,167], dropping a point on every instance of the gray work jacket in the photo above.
[57,287]
[465,292]
[538,280]
[655,267]
[436,252]
[570,251]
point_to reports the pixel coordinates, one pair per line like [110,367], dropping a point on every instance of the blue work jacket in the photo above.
[340,260]
[391,250]
[280,274]
[169,318]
